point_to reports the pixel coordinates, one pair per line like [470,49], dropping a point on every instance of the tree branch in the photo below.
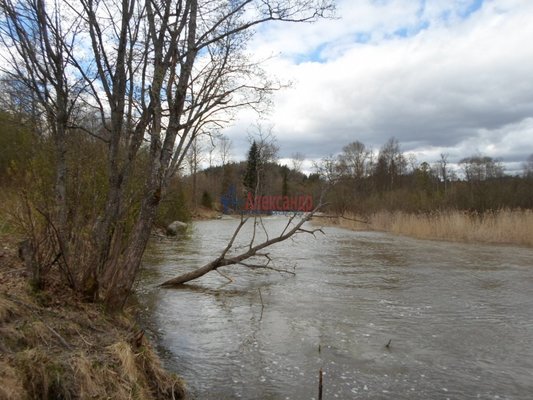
[252,251]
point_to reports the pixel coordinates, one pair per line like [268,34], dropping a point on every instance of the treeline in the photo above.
[359,180]
[214,183]
[230,182]
[364,182]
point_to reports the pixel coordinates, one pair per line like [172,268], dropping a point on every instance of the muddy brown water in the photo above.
[459,318]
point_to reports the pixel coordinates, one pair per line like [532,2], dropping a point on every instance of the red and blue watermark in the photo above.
[267,204]
[264,204]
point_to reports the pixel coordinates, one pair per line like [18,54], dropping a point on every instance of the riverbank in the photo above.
[53,345]
[513,227]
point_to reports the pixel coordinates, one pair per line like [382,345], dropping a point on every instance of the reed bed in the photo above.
[501,226]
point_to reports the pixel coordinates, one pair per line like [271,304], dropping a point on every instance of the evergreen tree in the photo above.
[250,176]
[285,181]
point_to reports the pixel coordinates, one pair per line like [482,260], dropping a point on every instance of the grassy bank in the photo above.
[500,227]
[54,346]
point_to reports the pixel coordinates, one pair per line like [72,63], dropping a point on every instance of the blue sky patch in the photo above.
[317,55]
[474,6]
[409,31]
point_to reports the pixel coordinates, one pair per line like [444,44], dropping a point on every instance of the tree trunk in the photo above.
[189,276]
[121,275]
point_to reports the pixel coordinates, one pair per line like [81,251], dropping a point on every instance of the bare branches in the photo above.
[261,266]
[154,72]
[251,251]
[235,234]
[343,217]
[312,231]
[225,276]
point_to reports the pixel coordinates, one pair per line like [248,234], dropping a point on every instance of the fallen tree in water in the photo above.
[252,250]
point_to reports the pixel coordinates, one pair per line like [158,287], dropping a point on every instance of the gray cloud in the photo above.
[461,85]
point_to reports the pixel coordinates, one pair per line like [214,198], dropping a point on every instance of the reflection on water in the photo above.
[460,318]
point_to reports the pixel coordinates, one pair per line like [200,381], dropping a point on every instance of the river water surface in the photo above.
[459,317]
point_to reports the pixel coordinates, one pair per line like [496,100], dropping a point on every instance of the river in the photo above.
[459,317]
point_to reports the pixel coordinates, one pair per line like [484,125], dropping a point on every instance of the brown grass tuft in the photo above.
[12,387]
[8,310]
[43,375]
[126,357]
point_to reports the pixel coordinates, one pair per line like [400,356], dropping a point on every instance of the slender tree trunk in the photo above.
[61,184]
[124,272]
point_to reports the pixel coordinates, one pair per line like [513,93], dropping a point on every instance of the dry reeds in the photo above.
[60,347]
[501,226]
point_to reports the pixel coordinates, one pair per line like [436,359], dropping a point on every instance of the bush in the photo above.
[207,200]
[173,207]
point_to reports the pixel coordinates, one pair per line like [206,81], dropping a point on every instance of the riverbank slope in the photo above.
[53,345]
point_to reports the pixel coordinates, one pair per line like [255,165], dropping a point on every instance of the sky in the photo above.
[442,76]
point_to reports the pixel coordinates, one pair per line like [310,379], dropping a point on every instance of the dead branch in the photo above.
[63,341]
[225,276]
[252,250]
[312,232]
[343,217]
[262,266]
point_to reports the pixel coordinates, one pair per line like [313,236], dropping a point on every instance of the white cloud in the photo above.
[446,80]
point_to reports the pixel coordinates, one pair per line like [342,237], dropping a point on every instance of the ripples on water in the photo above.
[460,318]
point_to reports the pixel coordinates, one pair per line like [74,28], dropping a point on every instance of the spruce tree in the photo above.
[250,176]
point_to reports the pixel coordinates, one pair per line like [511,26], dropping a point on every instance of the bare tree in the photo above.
[391,161]
[225,145]
[353,160]
[159,74]
[479,168]
[266,143]
[443,170]
[327,168]
[412,161]
[211,148]
[528,167]
[38,58]
[194,158]
[297,160]
[267,153]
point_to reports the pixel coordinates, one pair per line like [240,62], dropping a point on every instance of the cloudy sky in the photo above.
[452,76]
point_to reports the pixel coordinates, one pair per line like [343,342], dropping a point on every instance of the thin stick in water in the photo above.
[320,384]
[262,304]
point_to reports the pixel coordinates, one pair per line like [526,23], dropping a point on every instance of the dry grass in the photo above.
[8,310]
[500,227]
[12,386]
[53,345]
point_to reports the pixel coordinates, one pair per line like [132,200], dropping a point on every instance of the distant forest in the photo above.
[362,181]
[358,180]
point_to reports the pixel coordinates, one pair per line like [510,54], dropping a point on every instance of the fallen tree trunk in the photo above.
[189,276]
[253,251]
